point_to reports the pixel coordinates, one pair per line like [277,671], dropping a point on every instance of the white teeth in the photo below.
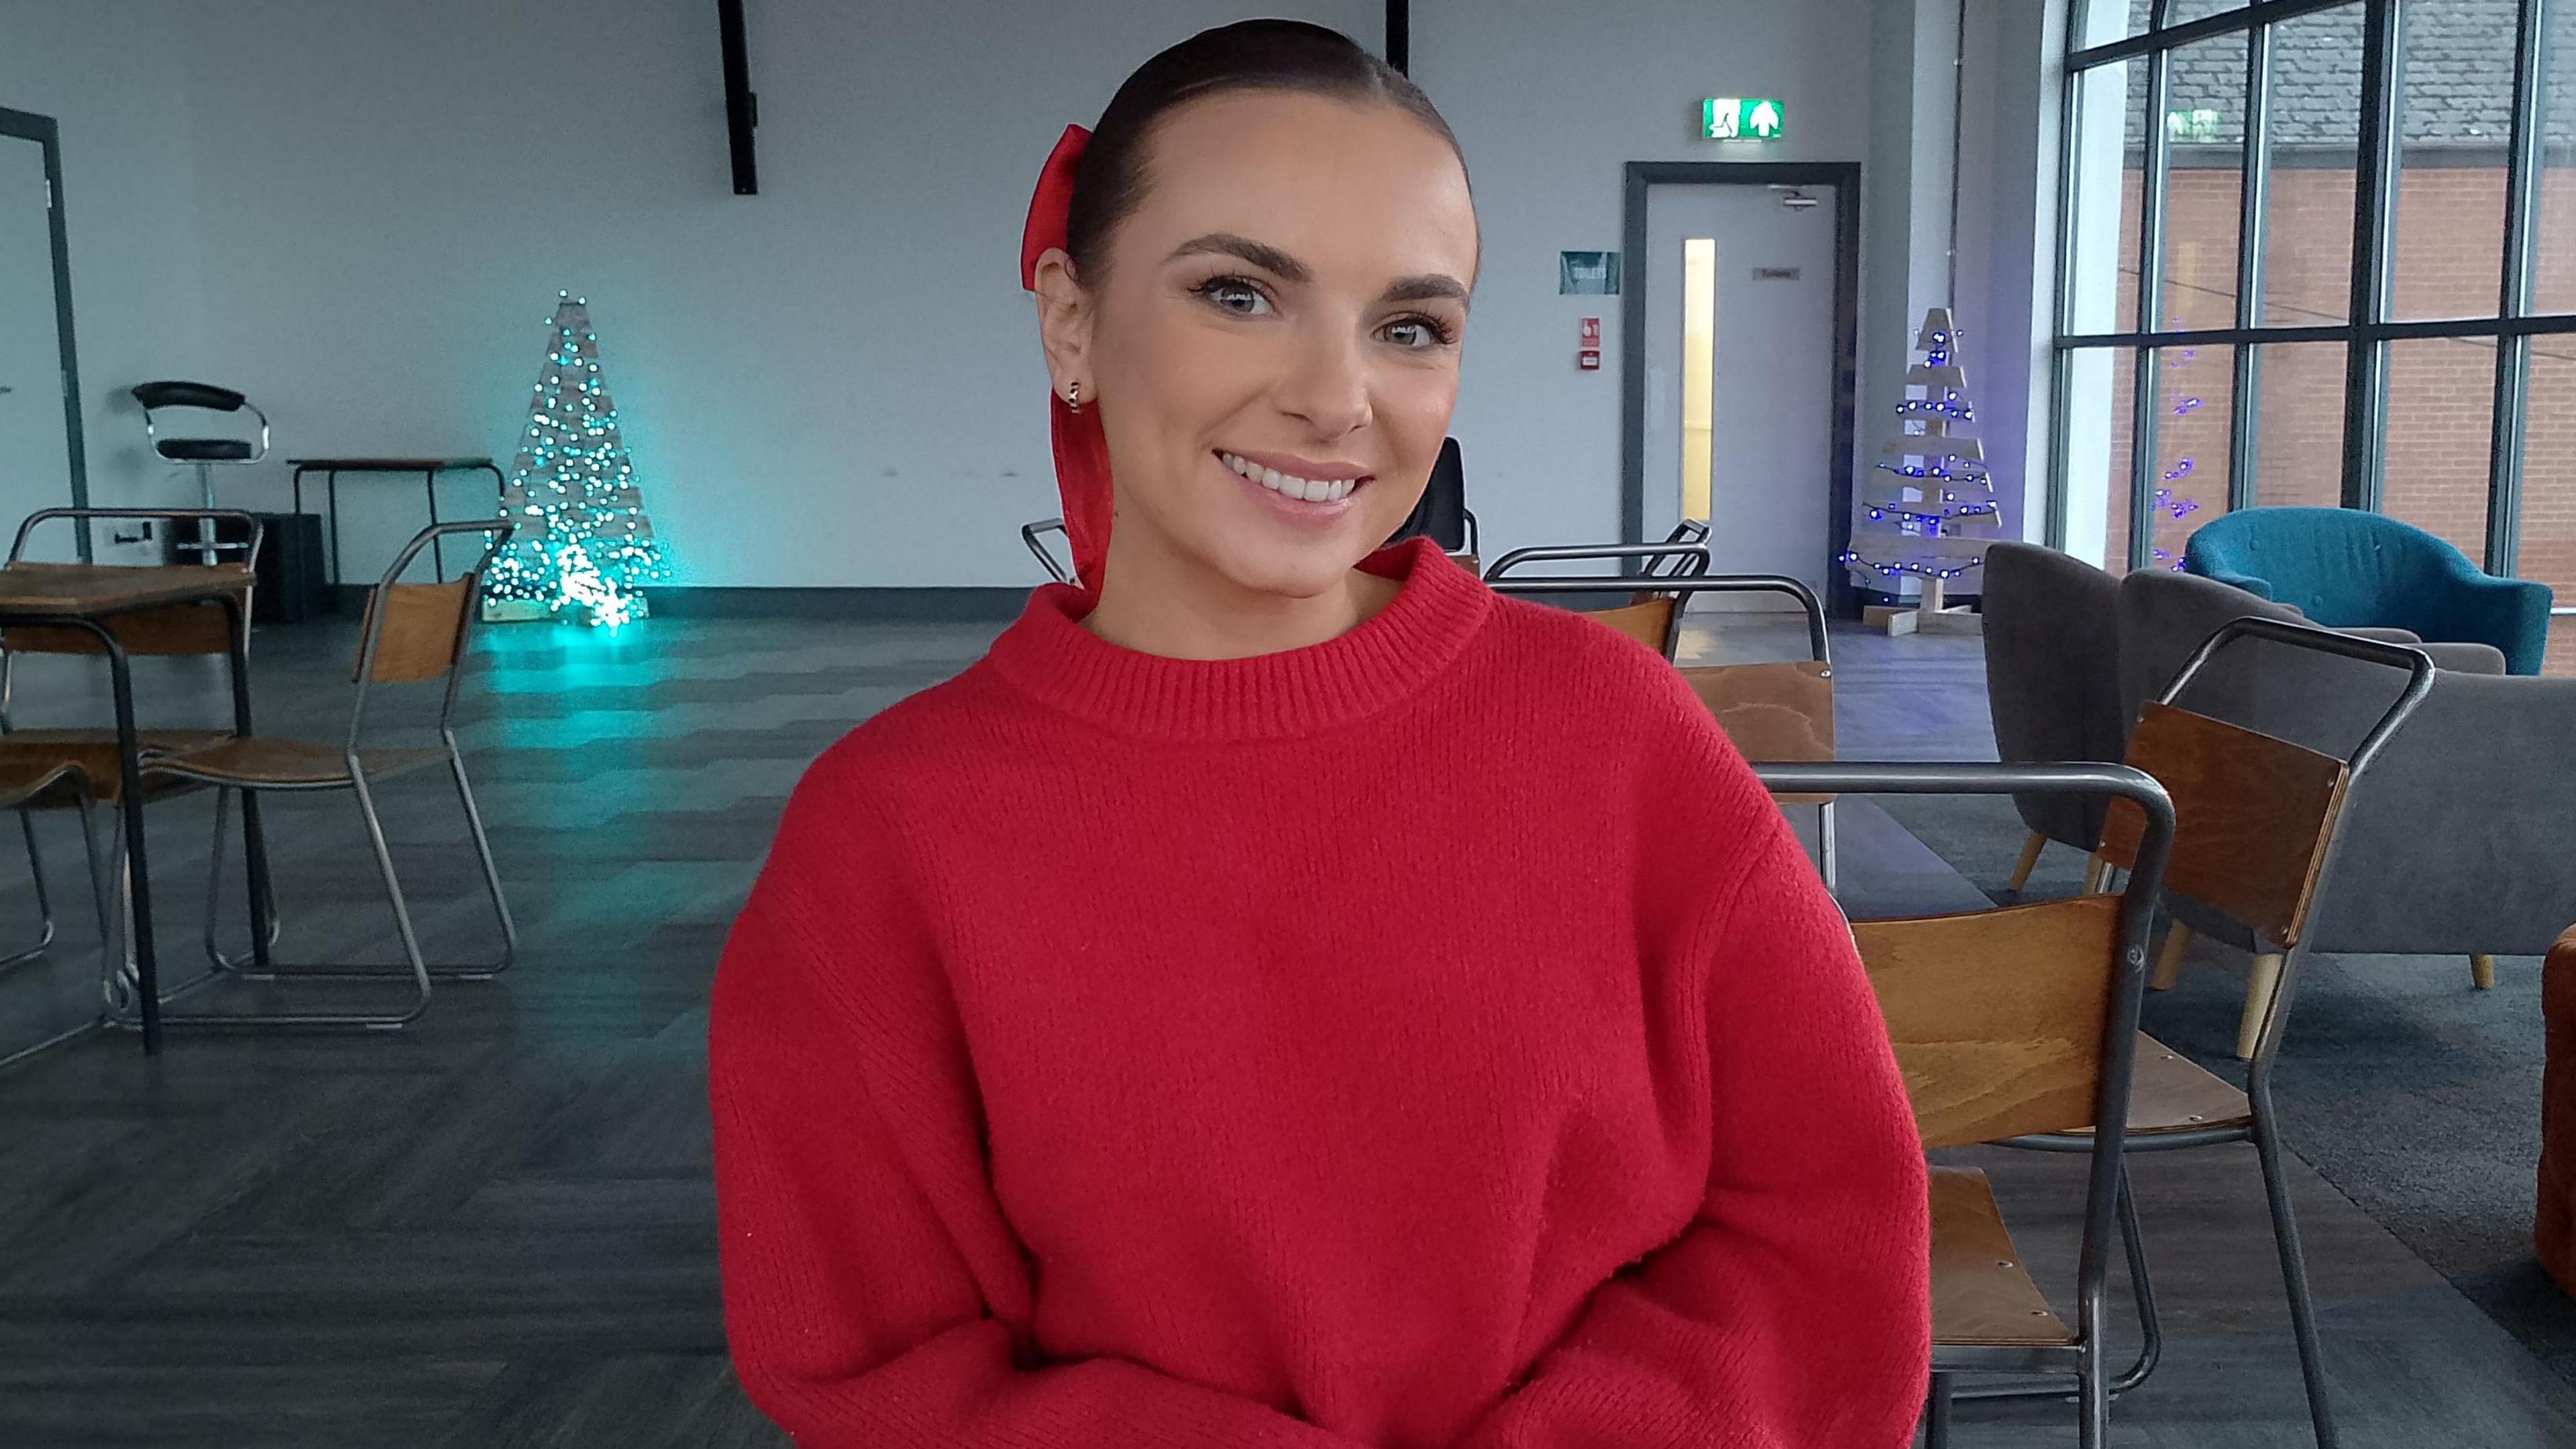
[1309,490]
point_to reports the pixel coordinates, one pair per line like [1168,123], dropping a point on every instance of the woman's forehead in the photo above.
[1341,186]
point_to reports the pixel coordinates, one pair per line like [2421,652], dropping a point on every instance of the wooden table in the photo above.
[86,597]
[427,468]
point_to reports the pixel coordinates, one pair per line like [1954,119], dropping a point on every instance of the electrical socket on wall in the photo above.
[129,540]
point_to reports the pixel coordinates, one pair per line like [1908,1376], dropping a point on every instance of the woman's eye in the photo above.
[1415,333]
[1234,295]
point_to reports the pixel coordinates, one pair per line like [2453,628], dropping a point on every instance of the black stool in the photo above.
[204,452]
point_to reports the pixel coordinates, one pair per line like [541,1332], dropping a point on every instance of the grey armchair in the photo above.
[2053,683]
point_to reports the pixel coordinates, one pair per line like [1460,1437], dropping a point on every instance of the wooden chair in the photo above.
[2007,1023]
[1652,617]
[412,633]
[30,778]
[2254,831]
[1779,712]
[1467,556]
[178,631]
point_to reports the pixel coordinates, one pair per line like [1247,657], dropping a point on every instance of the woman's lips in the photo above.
[1296,479]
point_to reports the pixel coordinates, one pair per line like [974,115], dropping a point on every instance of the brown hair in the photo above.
[1285,55]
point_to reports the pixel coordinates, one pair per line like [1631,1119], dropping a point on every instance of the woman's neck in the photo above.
[1179,609]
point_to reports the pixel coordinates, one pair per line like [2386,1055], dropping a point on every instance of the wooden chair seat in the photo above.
[266,762]
[2169,1092]
[92,754]
[1982,1296]
[25,781]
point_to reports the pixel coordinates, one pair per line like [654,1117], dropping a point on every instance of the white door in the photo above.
[35,455]
[1739,416]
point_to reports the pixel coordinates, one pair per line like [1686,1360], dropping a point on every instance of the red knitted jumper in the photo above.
[1432,1037]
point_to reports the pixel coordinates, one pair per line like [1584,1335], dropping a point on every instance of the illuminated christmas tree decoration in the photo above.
[584,546]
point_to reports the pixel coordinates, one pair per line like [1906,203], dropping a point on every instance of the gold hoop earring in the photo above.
[1073,395]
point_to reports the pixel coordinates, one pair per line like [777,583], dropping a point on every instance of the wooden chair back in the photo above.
[424,630]
[1998,1016]
[2252,817]
[197,628]
[1649,623]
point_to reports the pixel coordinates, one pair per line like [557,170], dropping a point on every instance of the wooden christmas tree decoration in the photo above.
[1928,507]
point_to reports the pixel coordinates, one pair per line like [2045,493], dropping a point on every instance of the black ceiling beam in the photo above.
[742,107]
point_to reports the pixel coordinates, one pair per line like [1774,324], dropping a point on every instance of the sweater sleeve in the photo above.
[1794,1311]
[874,1295]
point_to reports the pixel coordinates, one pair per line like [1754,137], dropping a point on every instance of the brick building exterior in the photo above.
[2456,102]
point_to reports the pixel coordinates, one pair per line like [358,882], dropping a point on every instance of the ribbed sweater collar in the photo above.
[1049,655]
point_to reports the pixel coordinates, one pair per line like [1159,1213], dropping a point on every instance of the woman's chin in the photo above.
[1298,569]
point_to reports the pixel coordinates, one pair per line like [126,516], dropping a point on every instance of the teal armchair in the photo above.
[2347,569]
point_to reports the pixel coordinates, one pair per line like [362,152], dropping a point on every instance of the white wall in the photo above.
[836,382]
[109,71]
[1549,101]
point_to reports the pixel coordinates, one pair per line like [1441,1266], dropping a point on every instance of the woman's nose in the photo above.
[1327,388]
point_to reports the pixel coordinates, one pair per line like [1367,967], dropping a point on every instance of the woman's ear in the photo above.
[1064,322]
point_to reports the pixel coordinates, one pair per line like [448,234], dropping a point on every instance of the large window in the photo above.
[2320,252]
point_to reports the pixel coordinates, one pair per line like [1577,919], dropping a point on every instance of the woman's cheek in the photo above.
[1415,411]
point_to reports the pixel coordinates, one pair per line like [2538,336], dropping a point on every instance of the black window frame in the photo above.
[2367,329]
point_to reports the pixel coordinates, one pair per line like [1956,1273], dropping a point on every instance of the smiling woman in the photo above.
[1285,995]
[1273,274]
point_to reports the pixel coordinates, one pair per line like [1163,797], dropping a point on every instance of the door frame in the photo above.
[28,126]
[1842,597]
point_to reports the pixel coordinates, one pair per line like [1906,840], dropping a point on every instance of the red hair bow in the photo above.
[1081,449]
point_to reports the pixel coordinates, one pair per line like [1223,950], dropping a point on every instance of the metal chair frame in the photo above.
[2263,1128]
[1061,572]
[76,784]
[1819,640]
[1687,542]
[259,968]
[2106,1186]
[17,551]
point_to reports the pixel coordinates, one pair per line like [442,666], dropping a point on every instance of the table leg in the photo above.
[331,499]
[254,839]
[129,769]
[437,556]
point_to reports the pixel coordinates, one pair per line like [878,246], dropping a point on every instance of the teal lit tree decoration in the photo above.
[1928,507]
[584,546]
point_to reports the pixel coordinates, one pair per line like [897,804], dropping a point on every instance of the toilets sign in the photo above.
[1730,118]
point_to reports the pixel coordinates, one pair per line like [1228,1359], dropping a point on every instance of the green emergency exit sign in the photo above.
[1732,118]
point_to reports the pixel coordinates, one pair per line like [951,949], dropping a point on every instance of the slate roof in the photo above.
[2457,89]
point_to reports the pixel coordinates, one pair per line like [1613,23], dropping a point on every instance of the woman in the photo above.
[1285,995]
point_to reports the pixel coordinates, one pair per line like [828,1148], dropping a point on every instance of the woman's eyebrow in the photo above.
[1260,254]
[1429,286]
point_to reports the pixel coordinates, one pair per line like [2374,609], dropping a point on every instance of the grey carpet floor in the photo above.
[2415,1094]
